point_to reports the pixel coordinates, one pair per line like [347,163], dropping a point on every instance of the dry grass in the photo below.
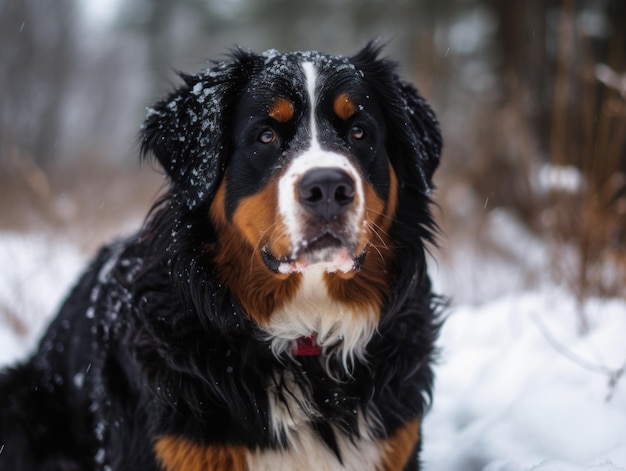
[89,202]
[599,132]
[587,135]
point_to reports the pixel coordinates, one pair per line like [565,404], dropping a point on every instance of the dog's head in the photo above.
[301,160]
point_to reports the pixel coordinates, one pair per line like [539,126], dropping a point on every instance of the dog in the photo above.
[274,312]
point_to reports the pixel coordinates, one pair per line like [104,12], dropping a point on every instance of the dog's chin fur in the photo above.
[274,312]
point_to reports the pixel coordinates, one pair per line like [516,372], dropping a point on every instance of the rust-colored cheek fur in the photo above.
[238,254]
[178,454]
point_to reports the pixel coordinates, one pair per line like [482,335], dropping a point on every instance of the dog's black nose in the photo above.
[326,192]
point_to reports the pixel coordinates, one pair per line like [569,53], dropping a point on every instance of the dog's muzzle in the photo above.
[327,229]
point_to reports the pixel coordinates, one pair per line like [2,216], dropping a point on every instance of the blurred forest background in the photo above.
[531,95]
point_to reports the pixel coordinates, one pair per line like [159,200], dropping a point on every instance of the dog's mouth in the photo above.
[328,251]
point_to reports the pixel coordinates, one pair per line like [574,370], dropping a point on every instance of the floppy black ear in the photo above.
[414,140]
[189,131]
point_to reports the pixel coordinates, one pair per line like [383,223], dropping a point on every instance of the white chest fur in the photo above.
[303,448]
[313,311]
[309,453]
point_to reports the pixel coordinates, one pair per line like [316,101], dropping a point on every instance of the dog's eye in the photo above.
[267,137]
[357,132]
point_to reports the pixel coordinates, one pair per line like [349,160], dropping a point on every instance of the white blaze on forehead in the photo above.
[310,76]
[314,157]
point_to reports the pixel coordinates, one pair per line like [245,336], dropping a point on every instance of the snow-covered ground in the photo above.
[518,386]
[36,273]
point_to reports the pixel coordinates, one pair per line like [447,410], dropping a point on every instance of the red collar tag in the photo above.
[307,347]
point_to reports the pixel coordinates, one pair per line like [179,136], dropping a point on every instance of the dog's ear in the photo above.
[189,132]
[414,139]
[422,137]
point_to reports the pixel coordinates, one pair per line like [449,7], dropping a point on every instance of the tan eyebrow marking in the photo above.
[343,106]
[282,110]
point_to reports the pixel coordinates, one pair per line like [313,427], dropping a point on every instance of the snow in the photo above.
[566,178]
[518,386]
[36,273]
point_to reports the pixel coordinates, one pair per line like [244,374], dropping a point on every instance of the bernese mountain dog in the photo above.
[274,312]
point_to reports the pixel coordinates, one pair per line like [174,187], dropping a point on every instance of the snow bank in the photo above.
[518,385]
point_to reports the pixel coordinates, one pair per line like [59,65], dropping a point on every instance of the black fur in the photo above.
[150,342]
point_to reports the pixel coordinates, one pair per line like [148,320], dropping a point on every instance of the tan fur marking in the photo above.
[178,454]
[392,202]
[400,446]
[282,110]
[344,107]
[238,255]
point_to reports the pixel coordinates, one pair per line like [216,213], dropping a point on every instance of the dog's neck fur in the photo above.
[314,312]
